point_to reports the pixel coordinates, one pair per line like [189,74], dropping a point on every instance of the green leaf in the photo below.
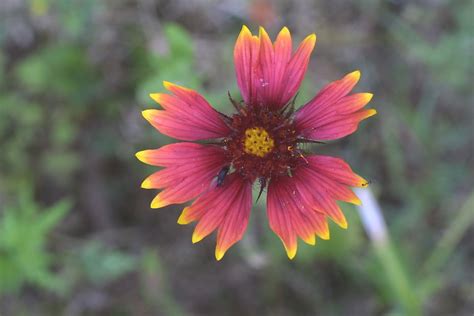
[24,229]
[102,265]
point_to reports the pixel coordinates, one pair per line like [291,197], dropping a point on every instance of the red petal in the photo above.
[336,169]
[246,53]
[186,115]
[189,171]
[297,206]
[235,223]
[333,113]
[292,212]
[283,49]
[178,153]
[266,73]
[297,66]
[225,208]
[319,198]
[280,218]
[266,84]
[323,181]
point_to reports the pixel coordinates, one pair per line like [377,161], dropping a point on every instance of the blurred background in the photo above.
[77,236]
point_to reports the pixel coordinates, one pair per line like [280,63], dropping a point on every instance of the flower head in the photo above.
[260,142]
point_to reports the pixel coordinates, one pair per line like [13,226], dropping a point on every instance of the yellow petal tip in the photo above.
[219,254]
[355,75]
[361,182]
[245,31]
[371,112]
[311,38]
[291,252]
[168,85]
[147,114]
[325,235]
[159,202]
[245,28]
[156,97]
[366,97]
[182,218]
[146,184]
[196,237]
[368,113]
[311,241]
[262,32]
[141,155]
[285,33]
[342,223]
[356,201]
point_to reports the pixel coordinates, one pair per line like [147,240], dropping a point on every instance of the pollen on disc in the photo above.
[257,142]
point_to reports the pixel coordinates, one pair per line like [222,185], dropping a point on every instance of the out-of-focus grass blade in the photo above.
[397,278]
[446,246]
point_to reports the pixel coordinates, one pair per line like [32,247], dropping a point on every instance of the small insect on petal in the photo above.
[221,175]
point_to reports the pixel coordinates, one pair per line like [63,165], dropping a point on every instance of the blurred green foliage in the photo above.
[155,285]
[102,265]
[69,67]
[174,66]
[24,232]
[451,71]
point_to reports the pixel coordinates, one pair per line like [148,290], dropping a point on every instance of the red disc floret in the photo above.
[283,156]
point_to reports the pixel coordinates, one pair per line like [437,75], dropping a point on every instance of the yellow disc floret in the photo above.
[257,142]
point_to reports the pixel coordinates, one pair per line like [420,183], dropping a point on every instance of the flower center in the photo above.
[257,142]
[263,143]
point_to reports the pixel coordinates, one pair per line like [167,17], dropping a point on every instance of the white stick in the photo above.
[371,215]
